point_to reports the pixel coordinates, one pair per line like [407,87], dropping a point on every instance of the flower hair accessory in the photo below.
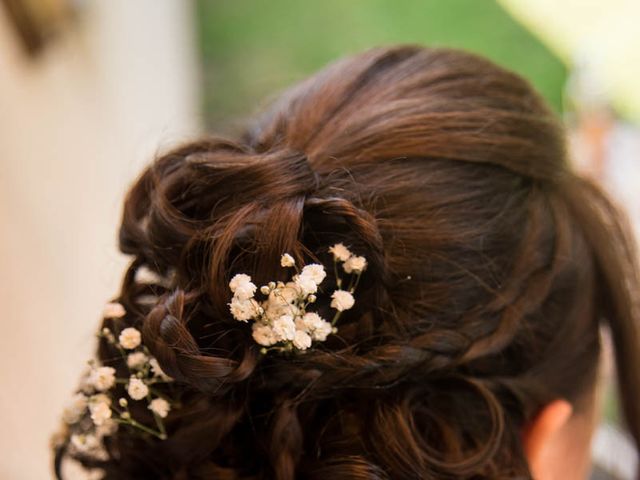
[282,321]
[97,409]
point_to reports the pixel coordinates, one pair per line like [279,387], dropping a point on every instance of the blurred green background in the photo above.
[252,49]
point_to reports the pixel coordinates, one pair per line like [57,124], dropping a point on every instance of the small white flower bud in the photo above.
[100,412]
[355,264]
[315,272]
[114,310]
[287,260]
[340,252]
[301,340]
[342,300]
[137,389]
[160,407]
[130,338]
[242,286]
[102,378]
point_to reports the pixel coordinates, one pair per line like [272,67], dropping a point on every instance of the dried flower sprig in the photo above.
[94,411]
[282,321]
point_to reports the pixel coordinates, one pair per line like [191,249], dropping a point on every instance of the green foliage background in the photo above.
[252,49]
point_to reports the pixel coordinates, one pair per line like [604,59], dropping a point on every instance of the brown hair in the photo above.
[491,267]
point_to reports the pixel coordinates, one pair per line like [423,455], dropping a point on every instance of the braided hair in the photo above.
[491,268]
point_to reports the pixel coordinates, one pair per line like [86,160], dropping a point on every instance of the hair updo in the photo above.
[491,267]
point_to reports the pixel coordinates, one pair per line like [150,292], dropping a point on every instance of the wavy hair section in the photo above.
[492,267]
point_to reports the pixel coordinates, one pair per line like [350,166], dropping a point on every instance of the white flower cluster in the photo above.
[281,320]
[93,412]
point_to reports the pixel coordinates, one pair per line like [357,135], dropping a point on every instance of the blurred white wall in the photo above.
[76,126]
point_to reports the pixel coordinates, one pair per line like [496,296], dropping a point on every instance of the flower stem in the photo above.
[144,428]
[356,284]
[335,272]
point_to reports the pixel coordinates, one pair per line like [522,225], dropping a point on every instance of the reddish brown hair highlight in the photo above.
[491,268]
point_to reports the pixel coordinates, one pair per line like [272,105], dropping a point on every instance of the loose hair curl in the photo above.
[491,267]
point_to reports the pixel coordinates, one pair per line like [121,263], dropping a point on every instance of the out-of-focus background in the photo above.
[90,90]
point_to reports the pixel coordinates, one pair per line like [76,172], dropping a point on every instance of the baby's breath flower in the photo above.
[123,402]
[100,409]
[287,293]
[275,309]
[301,340]
[308,321]
[282,301]
[322,331]
[243,310]
[340,252]
[306,284]
[284,328]
[136,360]
[84,442]
[160,407]
[86,381]
[314,325]
[102,378]
[130,338]
[281,319]
[263,335]
[355,264]
[137,389]
[108,335]
[100,398]
[315,272]
[242,286]
[114,310]
[145,276]
[287,260]
[108,427]
[342,300]
[76,408]
[157,370]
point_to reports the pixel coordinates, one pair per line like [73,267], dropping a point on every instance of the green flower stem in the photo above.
[122,352]
[144,428]
[335,272]
[154,380]
[157,419]
[357,281]
[162,435]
